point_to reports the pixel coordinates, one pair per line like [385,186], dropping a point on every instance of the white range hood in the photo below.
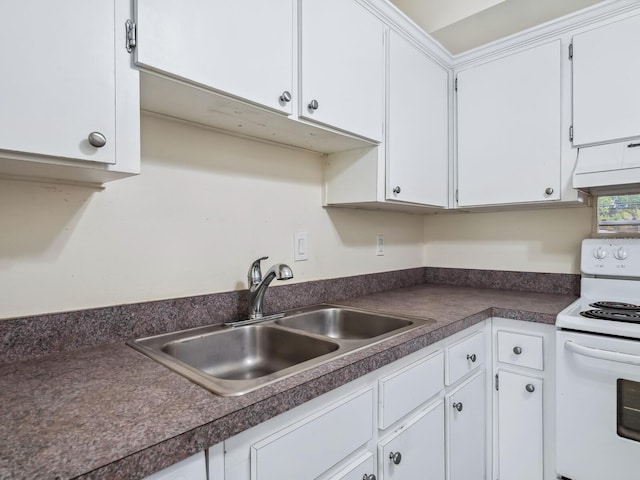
[611,169]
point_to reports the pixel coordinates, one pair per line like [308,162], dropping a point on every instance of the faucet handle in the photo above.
[255,273]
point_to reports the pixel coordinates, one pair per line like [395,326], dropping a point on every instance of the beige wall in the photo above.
[534,241]
[205,206]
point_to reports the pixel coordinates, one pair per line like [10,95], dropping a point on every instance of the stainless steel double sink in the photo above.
[230,360]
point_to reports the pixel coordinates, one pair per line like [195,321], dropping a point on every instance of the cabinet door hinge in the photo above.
[497,382]
[455,84]
[571,51]
[571,133]
[456,195]
[131,39]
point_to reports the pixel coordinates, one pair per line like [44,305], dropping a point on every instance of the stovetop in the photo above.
[615,311]
[610,289]
[618,322]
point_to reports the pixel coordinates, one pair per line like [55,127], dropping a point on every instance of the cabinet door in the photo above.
[606,75]
[243,48]
[509,128]
[342,66]
[416,449]
[466,415]
[336,432]
[58,81]
[417,133]
[520,427]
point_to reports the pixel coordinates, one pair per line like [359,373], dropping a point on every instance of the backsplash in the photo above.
[563,283]
[30,337]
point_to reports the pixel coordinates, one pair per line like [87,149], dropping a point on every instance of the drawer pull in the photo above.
[457,406]
[369,477]
[472,357]
[530,388]
[395,457]
[517,350]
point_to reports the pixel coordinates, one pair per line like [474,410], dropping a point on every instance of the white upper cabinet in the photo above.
[342,66]
[606,75]
[509,128]
[242,48]
[417,126]
[46,61]
[66,91]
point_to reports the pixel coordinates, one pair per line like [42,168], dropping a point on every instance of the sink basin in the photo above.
[234,359]
[343,323]
[246,353]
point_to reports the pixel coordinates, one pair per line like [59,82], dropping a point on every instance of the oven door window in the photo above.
[629,409]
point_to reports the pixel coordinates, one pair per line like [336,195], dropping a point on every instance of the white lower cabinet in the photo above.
[466,430]
[192,468]
[415,449]
[520,434]
[390,424]
[523,400]
[313,445]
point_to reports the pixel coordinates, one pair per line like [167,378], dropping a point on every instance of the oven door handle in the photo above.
[602,354]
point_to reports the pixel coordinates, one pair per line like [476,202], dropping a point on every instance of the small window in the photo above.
[619,214]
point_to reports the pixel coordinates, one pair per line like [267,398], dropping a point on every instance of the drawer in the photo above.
[193,468]
[520,349]
[465,356]
[408,388]
[335,431]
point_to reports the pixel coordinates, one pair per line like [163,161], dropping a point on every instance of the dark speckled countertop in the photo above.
[108,412]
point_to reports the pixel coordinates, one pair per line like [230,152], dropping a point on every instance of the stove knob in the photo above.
[600,253]
[621,254]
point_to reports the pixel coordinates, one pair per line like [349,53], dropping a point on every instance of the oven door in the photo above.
[598,407]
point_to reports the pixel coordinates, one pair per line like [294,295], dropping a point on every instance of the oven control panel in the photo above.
[618,257]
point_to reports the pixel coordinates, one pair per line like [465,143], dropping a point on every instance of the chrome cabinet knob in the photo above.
[395,457]
[313,105]
[517,350]
[96,139]
[397,190]
[548,191]
[285,97]
[472,357]
[530,388]
[457,406]
[368,477]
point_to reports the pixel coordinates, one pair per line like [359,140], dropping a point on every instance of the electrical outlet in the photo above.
[380,245]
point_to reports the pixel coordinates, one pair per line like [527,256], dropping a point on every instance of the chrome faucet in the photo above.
[258,285]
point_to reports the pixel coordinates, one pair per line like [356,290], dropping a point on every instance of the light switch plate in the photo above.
[300,247]
[380,245]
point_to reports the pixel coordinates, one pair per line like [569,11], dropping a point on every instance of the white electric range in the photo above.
[598,367]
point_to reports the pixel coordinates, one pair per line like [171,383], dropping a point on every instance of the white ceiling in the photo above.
[460,25]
